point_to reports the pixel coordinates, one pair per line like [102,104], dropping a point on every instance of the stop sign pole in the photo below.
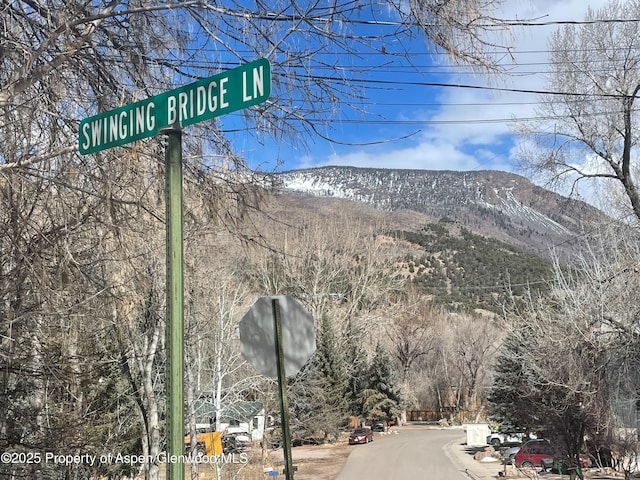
[277,338]
[282,388]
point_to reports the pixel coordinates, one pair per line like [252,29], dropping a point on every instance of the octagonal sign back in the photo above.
[257,335]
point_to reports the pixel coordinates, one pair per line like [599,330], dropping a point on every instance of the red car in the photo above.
[361,435]
[536,453]
[540,453]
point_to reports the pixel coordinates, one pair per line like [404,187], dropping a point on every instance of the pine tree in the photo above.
[510,397]
[331,364]
[318,393]
[357,363]
[382,398]
[309,406]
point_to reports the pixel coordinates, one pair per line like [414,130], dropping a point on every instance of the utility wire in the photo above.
[473,87]
[326,19]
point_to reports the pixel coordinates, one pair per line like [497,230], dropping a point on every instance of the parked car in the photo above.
[541,453]
[509,455]
[379,426]
[536,453]
[234,443]
[361,435]
[498,439]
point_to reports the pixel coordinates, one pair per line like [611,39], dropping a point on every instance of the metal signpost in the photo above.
[175,304]
[277,338]
[166,114]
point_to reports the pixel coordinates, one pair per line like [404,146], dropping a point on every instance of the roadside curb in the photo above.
[456,450]
[461,454]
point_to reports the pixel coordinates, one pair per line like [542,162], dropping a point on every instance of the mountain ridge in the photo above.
[501,205]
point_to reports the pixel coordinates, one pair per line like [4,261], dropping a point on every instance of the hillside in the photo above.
[498,205]
[471,273]
[469,239]
[465,271]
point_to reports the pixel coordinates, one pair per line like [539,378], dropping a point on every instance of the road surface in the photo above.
[409,455]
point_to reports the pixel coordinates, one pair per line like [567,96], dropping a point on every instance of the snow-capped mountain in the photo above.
[497,204]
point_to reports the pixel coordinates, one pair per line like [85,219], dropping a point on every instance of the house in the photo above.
[246,418]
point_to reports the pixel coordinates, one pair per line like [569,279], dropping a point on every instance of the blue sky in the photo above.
[439,128]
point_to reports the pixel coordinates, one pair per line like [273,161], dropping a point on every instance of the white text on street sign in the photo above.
[233,90]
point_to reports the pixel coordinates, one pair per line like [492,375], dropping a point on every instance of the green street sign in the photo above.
[227,92]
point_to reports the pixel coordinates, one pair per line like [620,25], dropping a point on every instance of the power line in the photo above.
[472,87]
[426,122]
[325,19]
[416,83]
[421,69]
[478,121]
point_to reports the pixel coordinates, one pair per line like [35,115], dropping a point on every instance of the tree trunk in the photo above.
[190,390]
[38,400]
[139,357]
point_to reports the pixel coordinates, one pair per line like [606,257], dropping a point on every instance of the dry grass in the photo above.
[322,462]
[316,463]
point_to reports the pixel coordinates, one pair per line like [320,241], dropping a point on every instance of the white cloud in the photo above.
[430,156]
[472,140]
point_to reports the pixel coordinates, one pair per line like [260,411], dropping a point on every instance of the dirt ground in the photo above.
[322,462]
[315,463]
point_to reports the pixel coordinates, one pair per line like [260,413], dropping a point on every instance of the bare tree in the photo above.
[588,119]
[576,360]
[336,265]
[68,58]
[134,272]
[412,334]
[471,344]
[55,320]
[626,452]
[468,31]
[217,375]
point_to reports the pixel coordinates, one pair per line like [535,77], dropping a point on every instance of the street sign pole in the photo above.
[167,113]
[175,303]
[282,386]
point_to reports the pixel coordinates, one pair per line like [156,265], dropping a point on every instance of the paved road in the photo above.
[410,455]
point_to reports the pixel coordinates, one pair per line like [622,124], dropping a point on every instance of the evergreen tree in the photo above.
[318,403]
[309,411]
[382,398]
[331,365]
[358,374]
[514,394]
